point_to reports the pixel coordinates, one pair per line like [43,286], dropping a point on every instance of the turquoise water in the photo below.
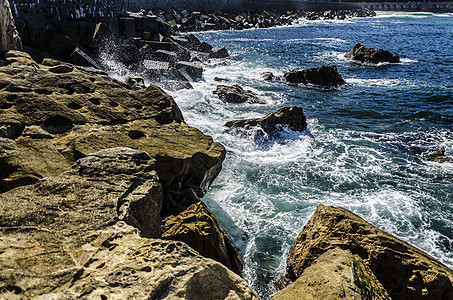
[366,144]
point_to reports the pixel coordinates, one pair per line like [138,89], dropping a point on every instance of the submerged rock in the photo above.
[336,274]
[368,55]
[324,76]
[403,270]
[66,237]
[440,157]
[236,94]
[198,227]
[291,116]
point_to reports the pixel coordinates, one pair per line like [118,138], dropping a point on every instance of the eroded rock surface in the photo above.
[403,270]
[369,55]
[336,274]
[324,76]
[293,117]
[78,112]
[84,234]
[198,228]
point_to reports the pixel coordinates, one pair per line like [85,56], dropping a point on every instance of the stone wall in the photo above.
[409,6]
[77,9]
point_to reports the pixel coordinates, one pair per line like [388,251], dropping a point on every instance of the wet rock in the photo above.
[198,228]
[236,94]
[336,274]
[193,69]
[324,76]
[219,53]
[362,54]
[293,117]
[269,76]
[176,85]
[403,270]
[440,157]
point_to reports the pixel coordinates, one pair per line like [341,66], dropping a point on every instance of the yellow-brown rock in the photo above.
[81,112]
[198,228]
[91,233]
[403,270]
[336,274]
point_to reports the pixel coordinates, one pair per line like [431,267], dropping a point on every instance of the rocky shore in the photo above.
[101,180]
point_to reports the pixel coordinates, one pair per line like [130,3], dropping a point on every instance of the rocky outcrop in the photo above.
[403,270]
[9,37]
[236,94]
[336,274]
[371,56]
[293,117]
[198,228]
[84,234]
[324,76]
[78,113]
[440,157]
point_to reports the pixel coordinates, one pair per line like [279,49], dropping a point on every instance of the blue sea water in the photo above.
[366,144]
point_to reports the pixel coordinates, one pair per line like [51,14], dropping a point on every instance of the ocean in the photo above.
[365,148]
[366,144]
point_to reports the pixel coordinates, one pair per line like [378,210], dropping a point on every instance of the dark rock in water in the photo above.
[439,156]
[269,76]
[362,54]
[221,79]
[137,83]
[204,47]
[164,55]
[236,94]
[336,274]
[293,117]
[198,227]
[194,70]
[175,85]
[219,53]
[403,270]
[324,76]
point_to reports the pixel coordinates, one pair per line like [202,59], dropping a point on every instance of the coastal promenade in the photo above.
[78,9]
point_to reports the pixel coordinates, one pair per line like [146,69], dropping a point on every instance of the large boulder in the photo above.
[198,228]
[368,55]
[324,76]
[84,234]
[9,37]
[336,274]
[82,113]
[291,116]
[236,94]
[403,270]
